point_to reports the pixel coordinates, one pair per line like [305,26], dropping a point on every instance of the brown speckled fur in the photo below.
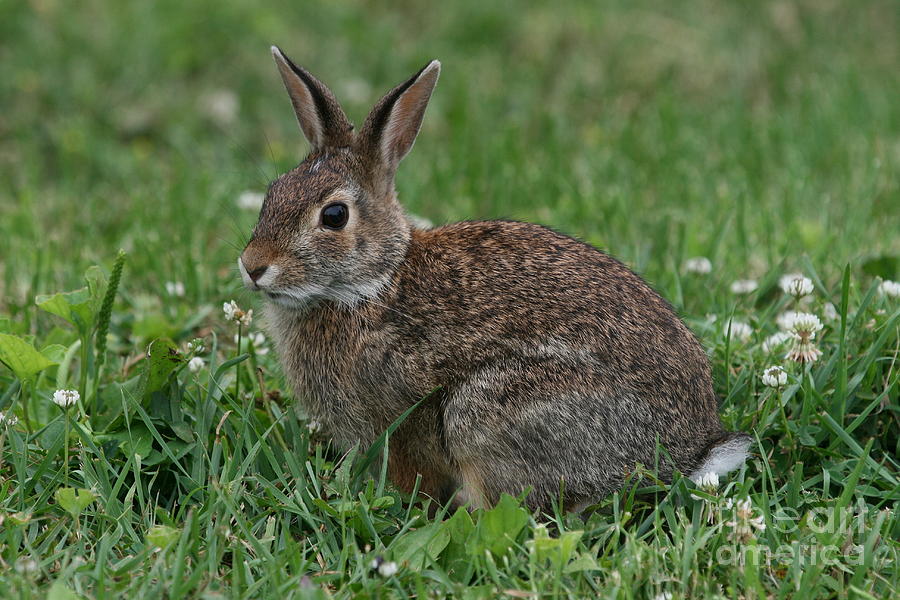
[553,362]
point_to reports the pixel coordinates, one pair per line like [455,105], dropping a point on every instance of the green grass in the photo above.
[763,135]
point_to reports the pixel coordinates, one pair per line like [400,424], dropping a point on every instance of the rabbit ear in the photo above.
[320,116]
[391,128]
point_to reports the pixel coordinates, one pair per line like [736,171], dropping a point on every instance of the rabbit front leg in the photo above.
[417,450]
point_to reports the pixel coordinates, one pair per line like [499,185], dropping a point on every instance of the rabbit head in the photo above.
[332,228]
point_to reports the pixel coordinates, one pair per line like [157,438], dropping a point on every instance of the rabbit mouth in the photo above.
[296,298]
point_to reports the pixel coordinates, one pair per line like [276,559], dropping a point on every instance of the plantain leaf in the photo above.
[54,352]
[21,357]
[75,307]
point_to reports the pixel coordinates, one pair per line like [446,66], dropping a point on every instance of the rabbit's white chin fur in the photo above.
[345,295]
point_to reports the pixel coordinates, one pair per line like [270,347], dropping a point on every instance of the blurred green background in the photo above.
[749,132]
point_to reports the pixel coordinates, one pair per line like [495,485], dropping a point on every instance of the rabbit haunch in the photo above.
[542,361]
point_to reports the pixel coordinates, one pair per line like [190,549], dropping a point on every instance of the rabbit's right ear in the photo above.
[321,118]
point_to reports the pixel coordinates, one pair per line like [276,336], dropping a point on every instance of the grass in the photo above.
[765,136]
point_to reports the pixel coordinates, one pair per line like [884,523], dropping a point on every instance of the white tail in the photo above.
[727,455]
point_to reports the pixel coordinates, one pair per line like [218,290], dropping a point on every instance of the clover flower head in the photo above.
[805,326]
[799,323]
[744,523]
[26,566]
[744,286]
[236,314]
[250,200]
[258,340]
[786,319]
[740,331]
[387,569]
[830,312]
[66,398]
[222,105]
[888,288]
[796,285]
[774,377]
[175,288]
[776,340]
[699,265]
[8,420]
[708,481]
[195,364]
[384,568]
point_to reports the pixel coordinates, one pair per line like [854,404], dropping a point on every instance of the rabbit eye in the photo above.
[334,216]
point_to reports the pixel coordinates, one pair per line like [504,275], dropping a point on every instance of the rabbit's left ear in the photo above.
[391,128]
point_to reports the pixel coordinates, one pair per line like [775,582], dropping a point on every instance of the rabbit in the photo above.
[545,367]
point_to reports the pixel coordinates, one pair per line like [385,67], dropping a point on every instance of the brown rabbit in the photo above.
[545,362]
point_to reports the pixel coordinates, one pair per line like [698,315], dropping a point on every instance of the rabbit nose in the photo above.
[258,272]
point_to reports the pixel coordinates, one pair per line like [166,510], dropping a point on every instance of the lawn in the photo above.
[763,136]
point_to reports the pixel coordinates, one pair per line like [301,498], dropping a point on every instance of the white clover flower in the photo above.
[258,340]
[221,105]
[774,377]
[175,288]
[195,364]
[355,89]
[313,427]
[66,398]
[708,481]
[419,222]
[889,288]
[699,265]
[740,331]
[8,420]
[776,340]
[830,312]
[230,308]
[235,314]
[796,285]
[803,328]
[786,319]
[797,322]
[250,200]
[744,286]
[387,569]
[26,566]
[744,522]
[196,345]
[805,325]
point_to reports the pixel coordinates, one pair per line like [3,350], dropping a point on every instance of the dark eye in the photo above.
[334,216]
